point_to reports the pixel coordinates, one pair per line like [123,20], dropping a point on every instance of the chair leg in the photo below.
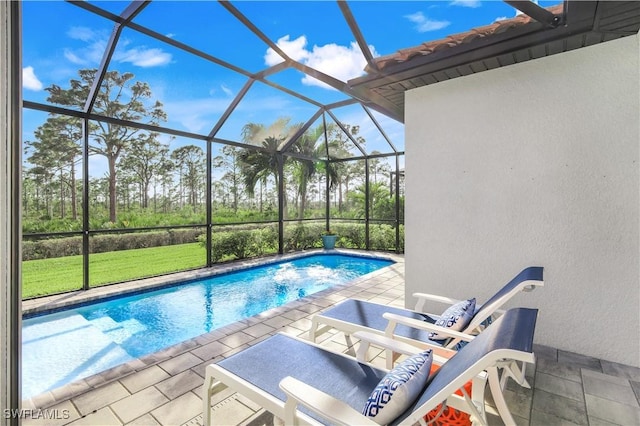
[518,374]
[498,396]
[363,350]
[478,387]
[206,399]
[313,331]
[290,415]
[348,341]
[210,385]
[391,358]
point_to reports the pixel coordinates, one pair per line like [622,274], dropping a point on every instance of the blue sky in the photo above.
[59,39]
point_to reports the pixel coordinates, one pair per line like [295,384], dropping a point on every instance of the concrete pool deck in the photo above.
[165,388]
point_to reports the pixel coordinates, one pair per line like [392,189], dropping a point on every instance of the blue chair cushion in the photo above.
[399,388]
[456,317]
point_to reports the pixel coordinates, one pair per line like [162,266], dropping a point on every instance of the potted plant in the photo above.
[329,239]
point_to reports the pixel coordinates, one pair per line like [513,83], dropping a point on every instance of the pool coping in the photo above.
[72,389]
[55,302]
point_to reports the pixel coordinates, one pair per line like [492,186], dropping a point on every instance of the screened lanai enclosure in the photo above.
[163,136]
[170,150]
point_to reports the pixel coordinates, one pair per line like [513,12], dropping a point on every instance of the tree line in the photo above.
[144,176]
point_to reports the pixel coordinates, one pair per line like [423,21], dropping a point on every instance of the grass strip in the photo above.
[48,276]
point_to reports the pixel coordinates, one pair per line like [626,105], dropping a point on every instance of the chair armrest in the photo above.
[332,409]
[423,297]
[367,338]
[395,319]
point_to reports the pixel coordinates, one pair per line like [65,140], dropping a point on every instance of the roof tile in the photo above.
[454,40]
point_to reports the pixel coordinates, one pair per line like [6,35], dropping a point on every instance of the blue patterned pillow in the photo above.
[399,388]
[456,317]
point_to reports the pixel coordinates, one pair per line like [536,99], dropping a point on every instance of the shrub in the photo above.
[241,242]
[70,246]
[58,247]
[382,237]
[351,235]
[303,236]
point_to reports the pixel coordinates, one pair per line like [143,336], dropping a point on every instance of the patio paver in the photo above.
[138,404]
[165,388]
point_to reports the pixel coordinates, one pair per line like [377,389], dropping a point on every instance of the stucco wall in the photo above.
[534,164]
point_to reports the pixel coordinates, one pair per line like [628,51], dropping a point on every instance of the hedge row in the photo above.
[70,246]
[228,242]
[241,244]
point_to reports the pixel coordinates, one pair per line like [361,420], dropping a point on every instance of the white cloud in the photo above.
[424,24]
[144,58]
[295,49]
[96,43]
[74,58]
[500,18]
[94,50]
[82,33]
[29,79]
[196,115]
[226,90]
[341,62]
[466,3]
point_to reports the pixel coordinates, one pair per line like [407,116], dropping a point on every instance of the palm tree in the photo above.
[257,166]
[379,205]
[307,145]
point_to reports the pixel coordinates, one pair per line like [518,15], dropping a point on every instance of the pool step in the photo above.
[52,359]
[119,332]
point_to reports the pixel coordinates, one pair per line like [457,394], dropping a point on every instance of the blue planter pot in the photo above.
[329,241]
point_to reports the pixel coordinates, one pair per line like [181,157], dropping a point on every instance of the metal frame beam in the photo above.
[327,213]
[127,15]
[301,130]
[281,198]
[231,107]
[380,129]
[355,30]
[341,104]
[209,201]
[85,204]
[341,160]
[367,204]
[397,204]
[250,25]
[335,119]
[536,12]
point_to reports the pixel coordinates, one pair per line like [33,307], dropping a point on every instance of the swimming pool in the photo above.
[65,346]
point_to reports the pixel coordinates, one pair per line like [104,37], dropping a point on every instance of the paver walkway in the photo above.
[165,388]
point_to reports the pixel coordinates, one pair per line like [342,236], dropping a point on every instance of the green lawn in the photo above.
[48,276]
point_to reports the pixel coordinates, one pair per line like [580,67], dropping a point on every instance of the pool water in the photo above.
[65,346]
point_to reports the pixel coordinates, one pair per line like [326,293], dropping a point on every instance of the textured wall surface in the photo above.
[534,164]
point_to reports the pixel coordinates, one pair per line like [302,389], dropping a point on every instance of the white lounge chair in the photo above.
[415,326]
[300,382]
